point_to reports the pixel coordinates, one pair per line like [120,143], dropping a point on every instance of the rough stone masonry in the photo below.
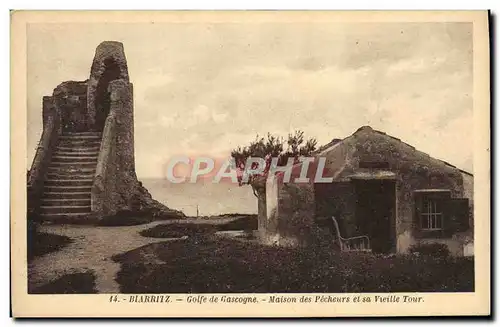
[84,167]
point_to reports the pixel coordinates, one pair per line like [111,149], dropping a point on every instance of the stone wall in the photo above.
[73,108]
[115,182]
[104,196]
[469,194]
[406,222]
[290,219]
[51,117]
[71,99]
[468,181]
[290,213]
[116,188]
[106,50]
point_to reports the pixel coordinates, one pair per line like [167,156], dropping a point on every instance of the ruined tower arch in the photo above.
[88,131]
[102,94]
[109,64]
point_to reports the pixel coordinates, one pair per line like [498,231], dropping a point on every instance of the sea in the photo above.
[203,198]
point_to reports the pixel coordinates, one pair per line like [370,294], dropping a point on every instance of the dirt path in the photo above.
[91,250]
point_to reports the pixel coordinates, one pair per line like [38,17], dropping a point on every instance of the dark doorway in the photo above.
[102,99]
[375,213]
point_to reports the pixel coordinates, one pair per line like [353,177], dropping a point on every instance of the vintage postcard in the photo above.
[250,164]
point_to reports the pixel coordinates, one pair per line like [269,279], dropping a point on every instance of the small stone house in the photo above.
[381,187]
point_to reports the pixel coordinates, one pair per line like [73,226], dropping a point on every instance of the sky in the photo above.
[204,89]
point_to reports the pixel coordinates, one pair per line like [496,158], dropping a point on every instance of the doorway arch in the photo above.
[102,96]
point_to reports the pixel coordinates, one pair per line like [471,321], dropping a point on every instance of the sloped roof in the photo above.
[366,142]
[370,133]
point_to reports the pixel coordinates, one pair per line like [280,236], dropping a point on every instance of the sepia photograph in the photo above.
[254,158]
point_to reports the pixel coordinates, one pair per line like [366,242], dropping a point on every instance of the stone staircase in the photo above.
[66,193]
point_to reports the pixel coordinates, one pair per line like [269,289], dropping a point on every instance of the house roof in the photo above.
[338,142]
[366,141]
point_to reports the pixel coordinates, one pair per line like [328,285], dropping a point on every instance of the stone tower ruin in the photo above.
[84,166]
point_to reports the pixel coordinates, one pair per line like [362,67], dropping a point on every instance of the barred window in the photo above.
[432,214]
[439,215]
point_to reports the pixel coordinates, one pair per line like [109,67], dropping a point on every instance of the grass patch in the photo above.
[77,283]
[201,227]
[125,219]
[247,223]
[178,230]
[133,218]
[43,243]
[223,265]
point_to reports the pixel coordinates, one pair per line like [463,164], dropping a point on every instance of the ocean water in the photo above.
[211,199]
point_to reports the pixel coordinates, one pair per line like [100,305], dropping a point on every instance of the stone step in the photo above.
[70,175]
[76,154]
[63,215]
[65,202]
[61,159]
[71,170]
[72,137]
[66,195]
[65,209]
[82,133]
[72,140]
[69,182]
[65,188]
[80,137]
[78,149]
[74,163]
[79,143]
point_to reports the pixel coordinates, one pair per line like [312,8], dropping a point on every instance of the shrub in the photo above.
[431,249]
[76,283]
[247,223]
[139,217]
[223,265]
[178,230]
[126,218]
[39,243]
[43,243]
